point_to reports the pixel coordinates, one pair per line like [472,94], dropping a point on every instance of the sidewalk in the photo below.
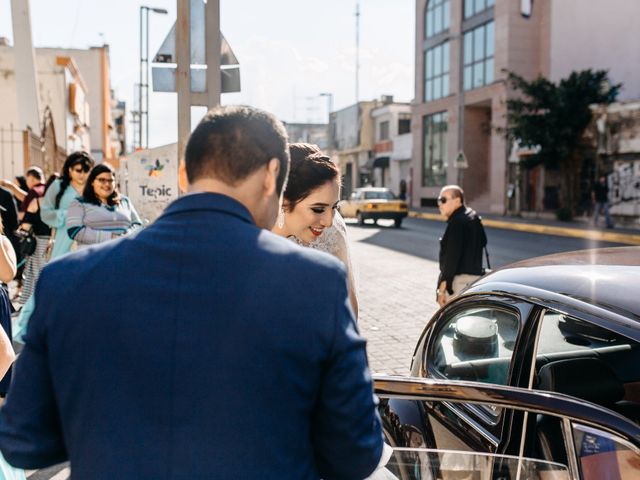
[577,229]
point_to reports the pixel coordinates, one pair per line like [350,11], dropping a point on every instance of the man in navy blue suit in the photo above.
[203,346]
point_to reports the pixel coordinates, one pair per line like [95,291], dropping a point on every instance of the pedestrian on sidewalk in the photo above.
[31,221]
[53,211]
[461,246]
[204,346]
[600,200]
[101,213]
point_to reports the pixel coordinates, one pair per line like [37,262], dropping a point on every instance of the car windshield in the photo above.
[379,195]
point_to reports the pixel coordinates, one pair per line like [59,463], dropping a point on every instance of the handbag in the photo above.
[50,244]
[26,241]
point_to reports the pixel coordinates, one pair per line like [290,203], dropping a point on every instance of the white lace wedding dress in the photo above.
[334,241]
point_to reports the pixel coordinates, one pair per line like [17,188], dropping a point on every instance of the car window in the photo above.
[379,195]
[603,455]
[355,196]
[476,345]
[588,361]
[419,464]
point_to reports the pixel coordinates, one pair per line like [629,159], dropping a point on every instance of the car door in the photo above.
[482,339]
[561,437]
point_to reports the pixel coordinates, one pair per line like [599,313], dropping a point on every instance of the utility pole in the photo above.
[183,73]
[143,86]
[212,52]
[357,52]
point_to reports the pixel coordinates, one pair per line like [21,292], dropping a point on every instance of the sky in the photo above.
[289,51]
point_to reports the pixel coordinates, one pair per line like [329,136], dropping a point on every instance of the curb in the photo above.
[614,237]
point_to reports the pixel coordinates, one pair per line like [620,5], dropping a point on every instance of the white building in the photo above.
[391,160]
[64,113]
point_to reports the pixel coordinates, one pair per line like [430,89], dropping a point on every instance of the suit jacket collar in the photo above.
[206,201]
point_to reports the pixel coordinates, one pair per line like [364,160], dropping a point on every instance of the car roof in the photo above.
[607,278]
[373,189]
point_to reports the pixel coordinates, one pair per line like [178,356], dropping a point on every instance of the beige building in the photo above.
[64,115]
[465,46]
[94,63]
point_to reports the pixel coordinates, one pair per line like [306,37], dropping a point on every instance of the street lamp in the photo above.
[143,98]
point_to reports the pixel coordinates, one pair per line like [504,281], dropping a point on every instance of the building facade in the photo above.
[391,157]
[463,50]
[64,114]
[106,134]
[351,144]
[315,133]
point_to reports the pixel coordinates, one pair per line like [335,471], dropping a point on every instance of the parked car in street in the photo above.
[568,324]
[370,203]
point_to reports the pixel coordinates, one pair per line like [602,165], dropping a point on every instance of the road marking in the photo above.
[597,235]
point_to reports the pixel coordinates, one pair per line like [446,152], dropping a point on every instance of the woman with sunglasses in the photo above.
[53,212]
[60,195]
[101,213]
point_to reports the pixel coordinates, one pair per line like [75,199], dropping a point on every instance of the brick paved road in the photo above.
[396,297]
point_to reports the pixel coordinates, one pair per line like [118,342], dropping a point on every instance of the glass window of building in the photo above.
[384,131]
[479,47]
[436,17]
[436,75]
[473,7]
[434,157]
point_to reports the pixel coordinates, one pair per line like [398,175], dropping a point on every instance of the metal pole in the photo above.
[357,52]
[183,73]
[139,141]
[212,52]
[146,82]
[461,104]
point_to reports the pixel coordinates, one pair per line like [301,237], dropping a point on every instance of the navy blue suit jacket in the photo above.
[202,347]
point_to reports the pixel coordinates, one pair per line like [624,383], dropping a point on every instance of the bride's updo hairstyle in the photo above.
[310,169]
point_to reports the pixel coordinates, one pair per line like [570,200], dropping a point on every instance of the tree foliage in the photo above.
[554,117]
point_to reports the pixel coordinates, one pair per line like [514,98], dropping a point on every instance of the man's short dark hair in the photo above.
[232,142]
[35,172]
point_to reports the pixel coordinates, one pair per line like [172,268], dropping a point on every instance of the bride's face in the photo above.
[312,215]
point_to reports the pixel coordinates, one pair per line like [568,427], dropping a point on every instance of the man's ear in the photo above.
[271,177]
[183,181]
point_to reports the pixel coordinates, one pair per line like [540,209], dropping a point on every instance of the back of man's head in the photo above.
[35,172]
[232,142]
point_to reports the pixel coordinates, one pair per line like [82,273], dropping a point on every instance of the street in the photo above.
[397,270]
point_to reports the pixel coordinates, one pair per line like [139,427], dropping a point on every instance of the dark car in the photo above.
[567,324]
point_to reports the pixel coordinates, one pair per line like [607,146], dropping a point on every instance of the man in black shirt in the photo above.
[461,245]
[600,198]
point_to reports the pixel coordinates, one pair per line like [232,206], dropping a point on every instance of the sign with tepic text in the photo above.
[151,179]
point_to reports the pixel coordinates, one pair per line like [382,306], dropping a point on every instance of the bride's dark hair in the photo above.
[309,169]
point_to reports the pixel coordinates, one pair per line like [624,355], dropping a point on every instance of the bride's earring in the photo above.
[280,220]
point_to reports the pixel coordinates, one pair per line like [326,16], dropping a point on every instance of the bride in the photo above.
[308,214]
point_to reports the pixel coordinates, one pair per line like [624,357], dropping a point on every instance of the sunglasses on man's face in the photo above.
[442,200]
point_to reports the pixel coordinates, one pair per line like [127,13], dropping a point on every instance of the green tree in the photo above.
[554,117]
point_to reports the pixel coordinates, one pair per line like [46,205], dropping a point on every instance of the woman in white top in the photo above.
[308,214]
